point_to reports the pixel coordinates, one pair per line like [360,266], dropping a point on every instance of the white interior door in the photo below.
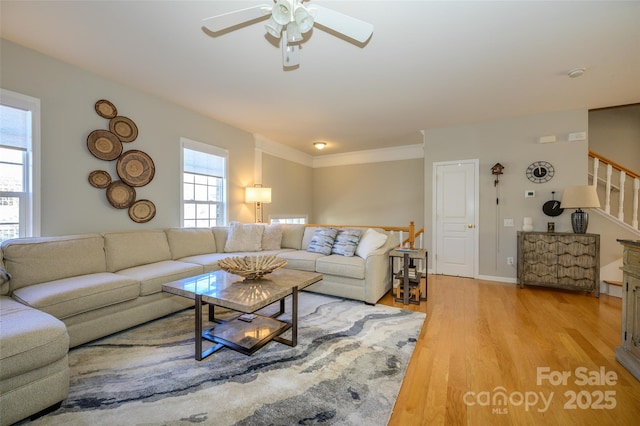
[456,218]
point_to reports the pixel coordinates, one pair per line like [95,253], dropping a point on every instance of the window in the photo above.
[19,165]
[204,182]
[288,219]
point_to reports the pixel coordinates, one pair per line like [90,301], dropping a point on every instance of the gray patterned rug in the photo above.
[346,369]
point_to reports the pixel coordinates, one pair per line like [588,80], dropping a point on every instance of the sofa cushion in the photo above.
[208,261]
[29,338]
[38,260]
[154,275]
[346,242]
[292,236]
[307,236]
[244,237]
[322,240]
[4,278]
[71,296]
[128,249]
[301,259]
[371,240]
[220,234]
[344,266]
[272,237]
[185,242]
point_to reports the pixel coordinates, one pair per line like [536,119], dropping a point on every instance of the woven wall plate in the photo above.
[104,145]
[106,109]
[135,168]
[124,128]
[120,195]
[142,211]
[99,179]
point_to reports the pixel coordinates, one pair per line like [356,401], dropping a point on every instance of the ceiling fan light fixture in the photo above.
[303,19]
[273,27]
[293,32]
[281,12]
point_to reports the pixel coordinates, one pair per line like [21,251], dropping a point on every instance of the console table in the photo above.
[559,259]
[628,354]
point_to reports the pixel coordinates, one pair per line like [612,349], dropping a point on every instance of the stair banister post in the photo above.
[636,189]
[607,203]
[623,175]
[596,164]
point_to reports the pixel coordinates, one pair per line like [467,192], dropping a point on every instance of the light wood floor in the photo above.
[481,338]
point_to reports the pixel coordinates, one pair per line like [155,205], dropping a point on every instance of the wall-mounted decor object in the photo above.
[540,172]
[142,211]
[104,145]
[99,179]
[135,168]
[496,170]
[106,109]
[552,207]
[124,128]
[120,195]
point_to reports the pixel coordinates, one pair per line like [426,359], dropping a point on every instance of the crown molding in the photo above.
[396,153]
[406,152]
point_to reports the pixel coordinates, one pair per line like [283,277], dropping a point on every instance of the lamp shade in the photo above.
[579,197]
[257,195]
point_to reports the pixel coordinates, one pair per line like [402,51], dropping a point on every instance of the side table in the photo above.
[411,289]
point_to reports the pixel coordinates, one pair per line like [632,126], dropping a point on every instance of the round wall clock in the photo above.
[540,172]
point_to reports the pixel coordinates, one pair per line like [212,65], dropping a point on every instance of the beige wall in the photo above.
[68,94]
[385,193]
[514,144]
[290,184]
[615,134]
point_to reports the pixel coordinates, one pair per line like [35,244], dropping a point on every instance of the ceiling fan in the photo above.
[288,20]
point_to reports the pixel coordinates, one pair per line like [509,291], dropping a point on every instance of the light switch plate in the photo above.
[529,193]
[508,222]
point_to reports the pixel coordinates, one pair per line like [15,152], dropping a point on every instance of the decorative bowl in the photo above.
[251,267]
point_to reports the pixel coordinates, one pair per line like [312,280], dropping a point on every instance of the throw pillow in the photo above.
[346,242]
[322,241]
[244,237]
[272,237]
[370,241]
[4,276]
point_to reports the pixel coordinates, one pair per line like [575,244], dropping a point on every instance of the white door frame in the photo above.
[476,209]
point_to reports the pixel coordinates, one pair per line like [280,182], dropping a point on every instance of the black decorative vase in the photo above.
[579,221]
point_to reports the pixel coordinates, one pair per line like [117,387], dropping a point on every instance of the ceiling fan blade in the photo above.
[237,17]
[343,24]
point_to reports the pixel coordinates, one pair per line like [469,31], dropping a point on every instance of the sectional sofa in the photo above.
[65,291]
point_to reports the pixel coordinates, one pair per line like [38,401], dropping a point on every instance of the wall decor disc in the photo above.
[124,127]
[104,145]
[99,179]
[106,109]
[120,195]
[142,211]
[135,168]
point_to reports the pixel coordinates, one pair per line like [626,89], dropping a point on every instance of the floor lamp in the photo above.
[580,197]
[258,195]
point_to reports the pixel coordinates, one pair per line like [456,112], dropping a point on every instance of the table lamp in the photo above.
[580,197]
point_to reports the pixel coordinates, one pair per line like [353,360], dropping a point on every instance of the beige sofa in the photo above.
[65,291]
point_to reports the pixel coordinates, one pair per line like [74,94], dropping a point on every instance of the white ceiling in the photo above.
[428,64]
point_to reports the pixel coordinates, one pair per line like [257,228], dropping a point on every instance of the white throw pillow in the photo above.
[244,237]
[272,237]
[370,241]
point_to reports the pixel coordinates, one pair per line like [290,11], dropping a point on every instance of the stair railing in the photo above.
[612,190]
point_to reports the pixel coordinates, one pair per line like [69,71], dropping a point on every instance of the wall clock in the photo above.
[540,172]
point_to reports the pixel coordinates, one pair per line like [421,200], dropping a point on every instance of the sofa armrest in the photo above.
[377,281]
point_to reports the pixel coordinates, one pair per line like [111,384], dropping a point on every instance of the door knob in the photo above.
[470,225]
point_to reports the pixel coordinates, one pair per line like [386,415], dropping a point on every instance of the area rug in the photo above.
[347,369]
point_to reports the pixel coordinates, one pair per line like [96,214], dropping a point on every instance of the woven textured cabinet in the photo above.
[561,260]
[628,353]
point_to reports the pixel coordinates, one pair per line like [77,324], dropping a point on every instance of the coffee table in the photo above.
[220,288]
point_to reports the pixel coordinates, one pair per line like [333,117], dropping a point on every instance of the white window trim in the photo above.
[28,103]
[210,149]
